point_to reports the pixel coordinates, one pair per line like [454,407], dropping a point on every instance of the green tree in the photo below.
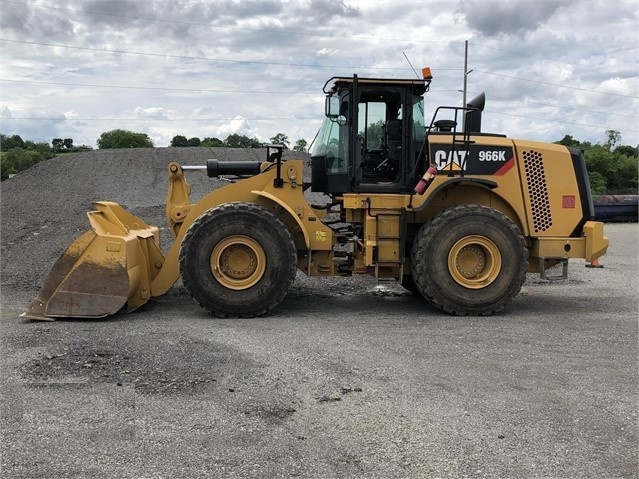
[300,145]
[280,139]
[43,148]
[60,144]
[240,141]
[568,140]
[597,183]
[9,142]
[179,141]
[19,159]
[123,139]
[194,141]
[611,169]
[212,142]
[627,150]
[613,137]
[618,171]
[624,179]
[4,170]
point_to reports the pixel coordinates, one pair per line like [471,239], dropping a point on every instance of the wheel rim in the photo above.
[238,262]
[474,262]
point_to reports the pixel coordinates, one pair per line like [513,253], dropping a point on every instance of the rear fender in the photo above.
[440,184]
[464,190]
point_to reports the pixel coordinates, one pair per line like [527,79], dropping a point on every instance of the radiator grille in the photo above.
[536,179]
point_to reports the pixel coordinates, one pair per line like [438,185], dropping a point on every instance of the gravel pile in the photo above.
[43,209]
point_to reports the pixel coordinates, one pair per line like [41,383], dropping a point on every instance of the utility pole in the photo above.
[466,72]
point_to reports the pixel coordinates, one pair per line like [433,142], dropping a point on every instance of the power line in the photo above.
[258,119]
[193,90]
[546,120]
[258,62]
[526,54]
[26,118]
[159,120]
[289,32]
[564,107]
[553,84]
[307,65]
[129,87]
[222,60]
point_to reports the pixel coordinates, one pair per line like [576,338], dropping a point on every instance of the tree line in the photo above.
[17,154]
[612,167]
[129,139]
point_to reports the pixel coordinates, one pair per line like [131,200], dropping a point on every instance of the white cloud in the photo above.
[237,125]
[154,112]
[199,68]
[620,86]
[552,71]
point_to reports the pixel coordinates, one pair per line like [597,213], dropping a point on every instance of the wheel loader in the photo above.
[456,214]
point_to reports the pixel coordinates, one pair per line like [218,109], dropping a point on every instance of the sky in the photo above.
[201,68]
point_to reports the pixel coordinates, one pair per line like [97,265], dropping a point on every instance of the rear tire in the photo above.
[238,260]
[469,260]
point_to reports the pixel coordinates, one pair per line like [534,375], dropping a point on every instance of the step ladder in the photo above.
[390,242]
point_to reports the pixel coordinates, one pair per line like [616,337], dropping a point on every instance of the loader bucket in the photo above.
[106,268]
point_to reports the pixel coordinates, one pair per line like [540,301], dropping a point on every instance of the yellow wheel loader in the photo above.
[455,214]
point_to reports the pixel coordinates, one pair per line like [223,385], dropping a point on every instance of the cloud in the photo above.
[493,17]
[190,66]
[115,13]
[5,112]
[154,112]
[33,124]
[237,125]
[14,16]
[620,86]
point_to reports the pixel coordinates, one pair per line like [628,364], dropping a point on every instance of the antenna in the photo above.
[411,65]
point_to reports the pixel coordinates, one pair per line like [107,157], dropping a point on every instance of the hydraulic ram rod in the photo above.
[215,168]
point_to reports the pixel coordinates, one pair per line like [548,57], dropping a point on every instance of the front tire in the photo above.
[469,260]
[238,260]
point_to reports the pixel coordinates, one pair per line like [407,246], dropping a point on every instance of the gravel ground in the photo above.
[347,378]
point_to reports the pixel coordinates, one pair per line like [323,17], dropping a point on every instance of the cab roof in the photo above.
[334,84]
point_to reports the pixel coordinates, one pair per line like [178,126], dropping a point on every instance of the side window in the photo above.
[419,127]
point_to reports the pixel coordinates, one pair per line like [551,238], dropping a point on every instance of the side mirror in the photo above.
[331,107]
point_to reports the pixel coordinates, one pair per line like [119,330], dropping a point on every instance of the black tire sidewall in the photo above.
[237,219]
[434,243]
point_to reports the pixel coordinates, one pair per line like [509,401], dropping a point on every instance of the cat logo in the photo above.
[473,159]
[450,160]
[320,235]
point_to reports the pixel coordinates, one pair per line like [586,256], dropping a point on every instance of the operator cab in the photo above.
[372,139]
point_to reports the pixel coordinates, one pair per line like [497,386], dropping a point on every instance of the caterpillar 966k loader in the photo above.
[455,214]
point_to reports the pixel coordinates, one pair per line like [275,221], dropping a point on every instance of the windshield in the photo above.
[328,145]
